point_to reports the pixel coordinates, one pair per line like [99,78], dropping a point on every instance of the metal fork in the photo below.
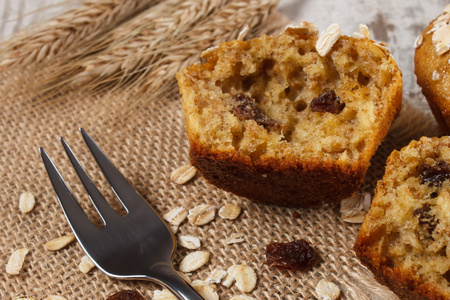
[138,245]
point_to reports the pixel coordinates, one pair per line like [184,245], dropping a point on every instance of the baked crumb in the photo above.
[274,104]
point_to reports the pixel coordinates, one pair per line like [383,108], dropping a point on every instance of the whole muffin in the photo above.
[432,67]
[291,119]
[405,237]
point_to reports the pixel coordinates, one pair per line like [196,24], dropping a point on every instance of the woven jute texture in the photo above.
[146,148]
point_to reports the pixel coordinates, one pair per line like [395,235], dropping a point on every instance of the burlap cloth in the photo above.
[147,148]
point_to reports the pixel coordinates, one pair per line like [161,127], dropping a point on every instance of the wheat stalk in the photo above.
[130,48]
[61,33]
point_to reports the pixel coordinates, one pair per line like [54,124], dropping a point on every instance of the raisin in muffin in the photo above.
[291,119]
[405,237]
[432,67]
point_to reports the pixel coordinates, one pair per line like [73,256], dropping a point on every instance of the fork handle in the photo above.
[165,275]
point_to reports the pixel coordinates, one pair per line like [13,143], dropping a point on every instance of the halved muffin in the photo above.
[291,119]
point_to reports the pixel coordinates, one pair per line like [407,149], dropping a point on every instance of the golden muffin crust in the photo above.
[405,237]
[277,121]
[432,67]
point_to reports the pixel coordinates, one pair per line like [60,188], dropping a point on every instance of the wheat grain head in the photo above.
[125,52]
[34,45]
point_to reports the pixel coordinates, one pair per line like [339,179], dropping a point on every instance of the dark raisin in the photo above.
[296,215]
[426,219]
[126,295]
[327,102]
[446,275]
[436,174]
[296,255]
[245,108]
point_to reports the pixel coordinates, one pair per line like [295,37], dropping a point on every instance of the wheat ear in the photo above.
[34,45]
[124,52]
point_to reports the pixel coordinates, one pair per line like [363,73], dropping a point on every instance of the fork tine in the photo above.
[78,220]
[123,190]
[101,205]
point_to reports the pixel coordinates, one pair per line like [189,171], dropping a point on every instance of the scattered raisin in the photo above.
[126,295]
[434,175]
[297,255]
[296,215]
[426,219]
[327,102]
[245,108]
